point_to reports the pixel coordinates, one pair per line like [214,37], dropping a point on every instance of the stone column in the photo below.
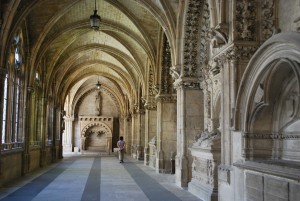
[27,115]
[133,135]
[150,128]
[166,132]
[43,131]
[190,120]
[68,136]
[141,135]
[126,134]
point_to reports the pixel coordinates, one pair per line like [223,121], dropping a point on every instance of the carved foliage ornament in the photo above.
[166,78]
[268,19]
[196,40]
[235,53]
[246,20]
[167,99]
[151,91]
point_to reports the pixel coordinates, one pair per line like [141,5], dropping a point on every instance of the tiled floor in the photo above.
[93,178]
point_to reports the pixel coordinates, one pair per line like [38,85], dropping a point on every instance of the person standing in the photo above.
[121,145]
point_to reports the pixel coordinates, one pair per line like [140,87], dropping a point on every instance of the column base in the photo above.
[146,156]
[159,167]
[181,172]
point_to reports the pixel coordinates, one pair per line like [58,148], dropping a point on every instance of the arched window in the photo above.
[5,91]
[14,137]
[11,138]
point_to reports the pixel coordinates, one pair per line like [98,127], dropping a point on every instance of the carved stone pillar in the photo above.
[189,123]
[141,135]
[68,135]
[134,135]
[127,133]
[166,132]
[150,128]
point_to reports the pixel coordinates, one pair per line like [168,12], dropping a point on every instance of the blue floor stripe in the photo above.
[92,188]
[30,190]
[152,189]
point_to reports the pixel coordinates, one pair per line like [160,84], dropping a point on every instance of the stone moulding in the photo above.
[280,136]
[224,173]
[167,98]
[279,168]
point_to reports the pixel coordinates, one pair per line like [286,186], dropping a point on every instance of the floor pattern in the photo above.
[95,178]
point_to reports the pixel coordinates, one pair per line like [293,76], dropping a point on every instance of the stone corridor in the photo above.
[93,178]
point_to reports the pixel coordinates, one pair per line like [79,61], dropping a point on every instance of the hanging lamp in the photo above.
[95,19]
[98,85]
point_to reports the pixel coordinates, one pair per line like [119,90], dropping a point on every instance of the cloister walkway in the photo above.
[93,178]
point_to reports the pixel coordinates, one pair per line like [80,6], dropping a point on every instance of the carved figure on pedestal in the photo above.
[98,103]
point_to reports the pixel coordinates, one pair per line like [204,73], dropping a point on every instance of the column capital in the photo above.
[69,118]
[187,83]
[167,98]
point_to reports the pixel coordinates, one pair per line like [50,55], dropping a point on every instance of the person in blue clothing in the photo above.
[121,145]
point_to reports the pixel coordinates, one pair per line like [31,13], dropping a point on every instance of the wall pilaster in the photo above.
[150,128]
[68,136]
[189,123]
[166,132]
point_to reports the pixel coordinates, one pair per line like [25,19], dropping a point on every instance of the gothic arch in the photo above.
[283,46]
[268,100]
[108,132]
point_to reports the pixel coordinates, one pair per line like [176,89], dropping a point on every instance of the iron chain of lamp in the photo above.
[95,19]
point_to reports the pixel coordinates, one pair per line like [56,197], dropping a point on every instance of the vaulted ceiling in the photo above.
[74,56]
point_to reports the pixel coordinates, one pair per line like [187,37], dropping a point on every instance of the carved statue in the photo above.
[207,139]
[98,103]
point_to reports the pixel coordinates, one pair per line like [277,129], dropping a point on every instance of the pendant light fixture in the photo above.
[98,85]
[95,19]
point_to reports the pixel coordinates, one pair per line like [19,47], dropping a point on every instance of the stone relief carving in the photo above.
[196,43]
[190,83]
[204,171]
[268,19]
[246,20]
[78,100]
[234,52]
[279,136]
[151,91]
[151,105]
[166,78]
[208,104]
[98,103]
[167,98]
[207,139]
[174,72]
[219,36]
